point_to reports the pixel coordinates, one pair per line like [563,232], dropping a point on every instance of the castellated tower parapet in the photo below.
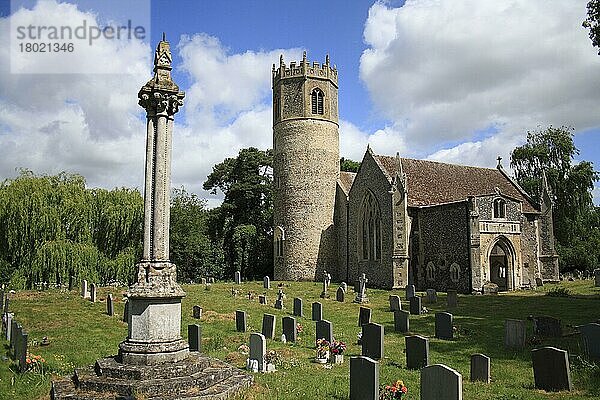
[305,168]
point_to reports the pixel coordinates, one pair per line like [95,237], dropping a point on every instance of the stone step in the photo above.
[222,390]
[110,367]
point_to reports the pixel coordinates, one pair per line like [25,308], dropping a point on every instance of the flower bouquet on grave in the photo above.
[392,392]
[35,363]
[337,349]
[272,358]
[322,351]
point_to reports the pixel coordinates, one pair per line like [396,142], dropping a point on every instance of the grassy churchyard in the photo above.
[81,332]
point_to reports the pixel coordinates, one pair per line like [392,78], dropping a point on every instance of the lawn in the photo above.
[80,332]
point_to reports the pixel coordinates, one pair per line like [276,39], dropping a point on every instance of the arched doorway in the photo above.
[501,262]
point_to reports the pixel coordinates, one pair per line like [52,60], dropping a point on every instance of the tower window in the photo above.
[499,208]
[276,112]
[430,270]
[317,101]
[455,272]
[278,239]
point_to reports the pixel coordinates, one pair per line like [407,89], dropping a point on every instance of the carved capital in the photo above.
[158,103]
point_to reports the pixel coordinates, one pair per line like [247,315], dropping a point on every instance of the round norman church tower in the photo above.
[305,168]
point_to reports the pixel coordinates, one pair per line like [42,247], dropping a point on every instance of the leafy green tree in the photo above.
[592,22]
[349,165]
[243,223]
[551,152]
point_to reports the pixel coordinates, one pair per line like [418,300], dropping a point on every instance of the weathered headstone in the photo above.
[489,288]
[237,276]
[410,291]
[290,329]
[417,352]
[514,333]
[364,316]
[84,288]
[326,282]
[372,341]
[110,305]
[344,285]
[395,304]
[279,300]
[262,299]
[443,326]
[415,305]
[8,324]
[440,382]
[324,330]
[317,311]
[197,312]
[22,351]
[597,277]
[195,337]
[203,281]
[298,311]
[451,298]
[258,349]
[431,296]
[241,320]
[546,326]
[551,369]
[268,326]
[590,335]
[361,295]
[539,282]
[480,368]
[267,282]
[93,293]
[340,294]
[364,379]
[401,321]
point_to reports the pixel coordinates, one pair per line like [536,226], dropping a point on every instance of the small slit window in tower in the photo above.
[499,208]
[279,237]
[317,101]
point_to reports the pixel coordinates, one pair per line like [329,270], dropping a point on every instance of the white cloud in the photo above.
[442,71]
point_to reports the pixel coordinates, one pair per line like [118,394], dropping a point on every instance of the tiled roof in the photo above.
[346,180]
[431,182]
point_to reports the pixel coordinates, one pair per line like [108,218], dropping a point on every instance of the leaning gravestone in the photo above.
[401,319]
[241,320]
[364,316]
[364,379]
[258,349]
[195,337]
[431,296]
[451,298]
[415,305]
[443,326]
[590,335]
[267,282]
[290,329]
[340,294]
[439,382]
[324,330]
[372,341]
[317,311]
[417,352]
[410,291]
[197,312]
[480,368]
[395,304]
[514,333]
[268,326]
[298,312]
[551,369]
[110,305]
[547,326]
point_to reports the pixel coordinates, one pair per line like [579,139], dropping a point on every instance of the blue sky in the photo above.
[459,82]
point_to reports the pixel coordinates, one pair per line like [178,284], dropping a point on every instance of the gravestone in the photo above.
[197,312]
[401,321]
[364,379]
[195,337]
[21,350]
[551,369]
[267,282]
[84,288]
[480,368]
[590,335]
[514,333]
[237,276]
[452,298]
[71,280]
[431,296]
[241,320]
[290,329]
[203,281]
[415,305]
[317,311]
[326,283]
[126,312]
[395,304]
[440,382]
[417,352]
[340,294]
[9,317]
[110,305]
[597,277]
[13,334]
[262,299]
[298,311]
[279,300]
[410,291]
[93,293]
[443,326]
[268,326]
[324,330]
[344,285]
[361,295]
[539,282]
[258,349]
[364,316]
[372,341]
[489,288]
[546,326]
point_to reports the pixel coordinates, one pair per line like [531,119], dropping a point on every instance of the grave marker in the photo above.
[197,312]
[364,316]
[268,326]
[237,276]
[317,311]
[279,300]
[195,337]
[443,326]
[597,277]
[590,335]
[395,304]
[290,329]
[410,291]
[8,324]
[415,305]
[440,382]
[514,333]
[431,296]
[262,299]
[546,326]
[258,349]
[267,282]
[241,320]
[298,311]
[551,369]
[110,306]
[452,298]
[417,352]
[401,321]
[340,294]
[84,288]
[372,341]
[539,282]
[93,293]
[364,379]
[480,368]
[361,295]
[324,330]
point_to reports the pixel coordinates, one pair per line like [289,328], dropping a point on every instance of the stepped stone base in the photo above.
[195,378]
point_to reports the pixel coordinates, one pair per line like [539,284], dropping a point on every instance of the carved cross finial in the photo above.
[499,161]
[304,56]
[281,59]
[327,59]
[164,39]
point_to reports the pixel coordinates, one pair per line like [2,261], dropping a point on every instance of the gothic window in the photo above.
[276,115]
[370,228]
[317,101]
[278,237]
[455,272]
[499,208]
[430,270]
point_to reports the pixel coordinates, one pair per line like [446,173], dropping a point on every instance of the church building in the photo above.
[397,220]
